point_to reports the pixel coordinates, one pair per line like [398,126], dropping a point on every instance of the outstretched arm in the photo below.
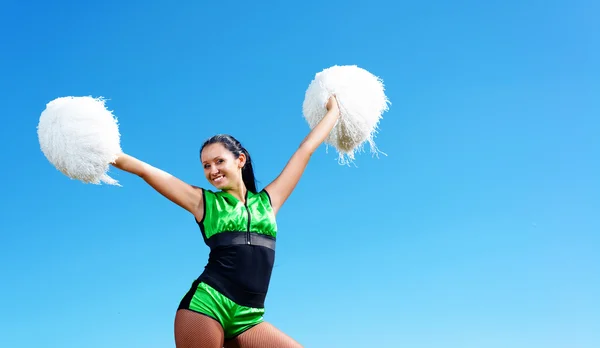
[186,196]
[281,188]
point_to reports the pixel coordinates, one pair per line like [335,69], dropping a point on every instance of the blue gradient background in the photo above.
[480,229]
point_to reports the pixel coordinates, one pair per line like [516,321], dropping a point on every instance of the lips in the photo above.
[218,179]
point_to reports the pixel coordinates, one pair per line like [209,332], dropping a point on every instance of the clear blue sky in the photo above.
[480,229]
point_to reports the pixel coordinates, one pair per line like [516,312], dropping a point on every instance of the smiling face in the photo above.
[221,167]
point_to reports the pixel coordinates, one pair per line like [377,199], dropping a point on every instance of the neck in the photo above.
[238,191]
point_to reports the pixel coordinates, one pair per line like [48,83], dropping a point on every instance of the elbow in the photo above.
[310,144]
[306,149]
[143,170]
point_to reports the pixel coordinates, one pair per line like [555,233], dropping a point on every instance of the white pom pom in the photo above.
[80,137]
[362,102]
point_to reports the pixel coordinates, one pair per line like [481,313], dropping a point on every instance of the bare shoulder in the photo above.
[199,207]
[272,200]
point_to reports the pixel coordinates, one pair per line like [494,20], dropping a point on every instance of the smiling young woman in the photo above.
[225,304]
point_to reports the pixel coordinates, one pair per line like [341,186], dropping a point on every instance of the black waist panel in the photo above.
[238,238]
[238,269]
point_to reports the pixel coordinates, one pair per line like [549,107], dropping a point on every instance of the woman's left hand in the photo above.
[332,104]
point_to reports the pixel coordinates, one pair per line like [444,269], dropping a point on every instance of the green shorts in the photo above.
[234,319]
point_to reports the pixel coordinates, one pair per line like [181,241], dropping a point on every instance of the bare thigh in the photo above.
[263,335]
[194,330]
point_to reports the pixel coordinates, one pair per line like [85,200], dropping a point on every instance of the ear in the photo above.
[241,160]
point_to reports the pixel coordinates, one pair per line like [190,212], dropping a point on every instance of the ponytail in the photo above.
[248,173]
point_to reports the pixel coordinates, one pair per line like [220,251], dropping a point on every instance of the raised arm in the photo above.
[281,188]
[186,196]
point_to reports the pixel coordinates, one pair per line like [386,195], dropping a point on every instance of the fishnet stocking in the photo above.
[263,335]
[194,330]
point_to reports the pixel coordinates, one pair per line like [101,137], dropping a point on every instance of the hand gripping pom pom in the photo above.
[362,101]
[80,137]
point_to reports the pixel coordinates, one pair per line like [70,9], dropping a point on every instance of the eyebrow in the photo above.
[212,159]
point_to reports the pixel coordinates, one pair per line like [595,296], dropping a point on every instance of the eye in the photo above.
[220,160]
[206,166]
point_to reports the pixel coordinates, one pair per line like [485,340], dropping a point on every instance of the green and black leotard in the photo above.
[241,238]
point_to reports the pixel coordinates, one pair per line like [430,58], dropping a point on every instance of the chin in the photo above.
[220,185]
